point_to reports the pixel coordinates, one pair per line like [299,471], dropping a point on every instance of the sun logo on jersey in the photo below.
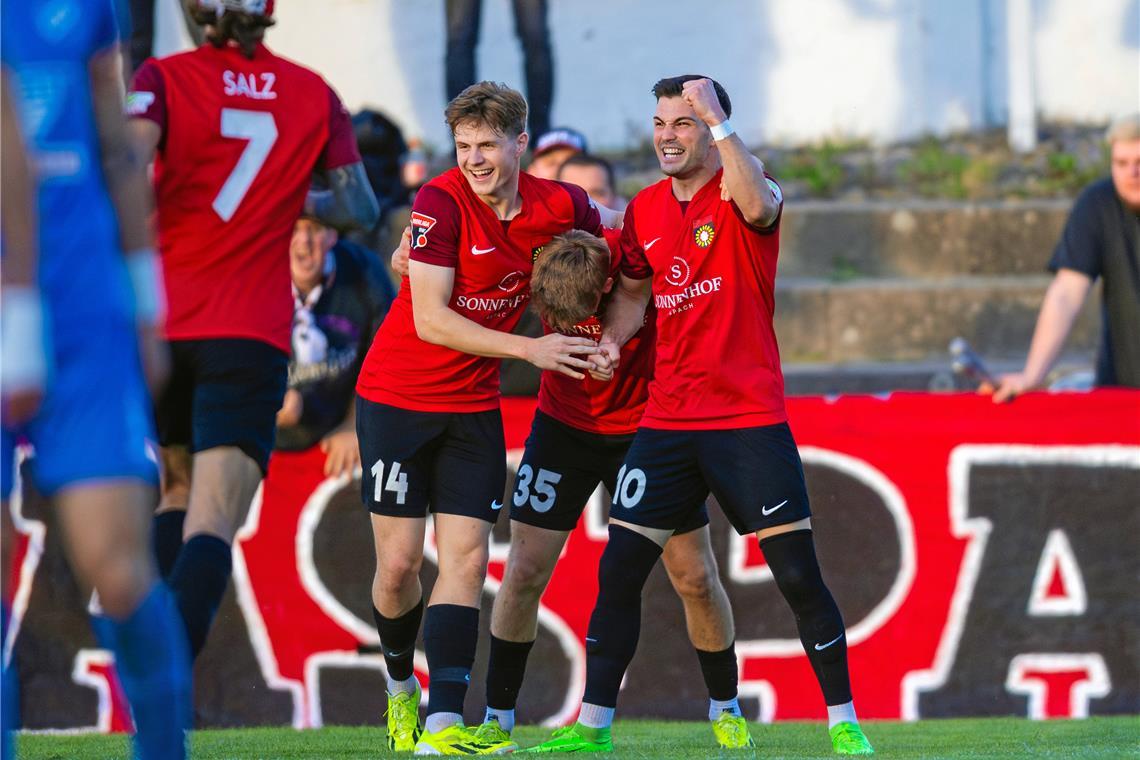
[535,251]
[704,234]
[421,224]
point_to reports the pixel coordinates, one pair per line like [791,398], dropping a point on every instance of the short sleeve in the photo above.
[634,262]
[435,228]
[775,225]
[341,149]
[586,216]
[147,97]
[1081,246]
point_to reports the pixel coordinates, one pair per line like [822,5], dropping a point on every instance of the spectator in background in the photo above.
[1101,239]
[530,28]
[595,175]
[552,149]
[341,295]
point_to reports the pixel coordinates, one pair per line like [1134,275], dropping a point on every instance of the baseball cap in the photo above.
[563,137]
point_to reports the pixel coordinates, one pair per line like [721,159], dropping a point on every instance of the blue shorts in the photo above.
[95,419]
[754,473]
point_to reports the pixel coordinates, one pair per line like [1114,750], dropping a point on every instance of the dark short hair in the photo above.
[491,103]
[587,159]
[671,87]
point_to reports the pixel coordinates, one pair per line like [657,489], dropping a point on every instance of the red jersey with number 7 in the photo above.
[240,140]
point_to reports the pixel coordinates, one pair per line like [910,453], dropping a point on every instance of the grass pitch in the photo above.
[983,738]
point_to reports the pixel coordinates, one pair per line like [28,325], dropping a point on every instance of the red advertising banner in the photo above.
[984,557]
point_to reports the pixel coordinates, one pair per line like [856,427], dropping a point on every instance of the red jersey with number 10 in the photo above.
[718,365]
[240,140]
[493,260]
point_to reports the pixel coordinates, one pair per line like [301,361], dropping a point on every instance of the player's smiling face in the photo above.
[682,141]
[488,159]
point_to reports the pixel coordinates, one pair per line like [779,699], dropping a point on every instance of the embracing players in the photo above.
[715,420]
[236,133]
[431,435]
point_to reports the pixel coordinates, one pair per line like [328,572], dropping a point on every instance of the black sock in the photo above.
[720,672]
[398,640]
[199,580]
[791,556]
[167,539]
[450,635]
[615,624]
[505,670]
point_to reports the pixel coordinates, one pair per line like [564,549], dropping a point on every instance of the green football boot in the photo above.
[731,731]
[577,738]
[490,732]
[460,740]
[848,739]
[404,720]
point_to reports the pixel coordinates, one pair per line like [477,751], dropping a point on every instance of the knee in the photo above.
[799,582]
[694,584]
[395,573]
[526,577]
[121,579]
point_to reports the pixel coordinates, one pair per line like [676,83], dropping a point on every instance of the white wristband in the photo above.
[145,271]
[24,353]
[722,130]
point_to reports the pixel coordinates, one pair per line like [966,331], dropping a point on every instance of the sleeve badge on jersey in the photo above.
[776,191]
[138,102]
[421,224]
[704,231]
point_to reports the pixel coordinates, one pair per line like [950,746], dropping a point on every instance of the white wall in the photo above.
[797,70]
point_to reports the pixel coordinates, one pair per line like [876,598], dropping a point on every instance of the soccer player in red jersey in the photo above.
[235,133]
[580,435]
[715,420]
[428,420]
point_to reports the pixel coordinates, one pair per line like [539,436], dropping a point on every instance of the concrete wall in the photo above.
[798,70]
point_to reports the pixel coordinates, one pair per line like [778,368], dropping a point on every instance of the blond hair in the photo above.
[1123,128]
[569,278]
[491,103]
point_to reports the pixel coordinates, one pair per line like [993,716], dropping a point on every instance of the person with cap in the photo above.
[552,149]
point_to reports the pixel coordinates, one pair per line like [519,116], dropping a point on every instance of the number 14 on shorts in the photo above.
[397,482]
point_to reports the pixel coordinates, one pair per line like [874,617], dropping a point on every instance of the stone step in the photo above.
[840,240]
[904,319]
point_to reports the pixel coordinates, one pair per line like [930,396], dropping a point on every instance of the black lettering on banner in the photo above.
[1071,513]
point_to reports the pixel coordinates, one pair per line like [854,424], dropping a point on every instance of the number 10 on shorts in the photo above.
[397,482]
[630,487]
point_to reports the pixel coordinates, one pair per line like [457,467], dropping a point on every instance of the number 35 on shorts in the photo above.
[543,487]
[630,487]
[396,483]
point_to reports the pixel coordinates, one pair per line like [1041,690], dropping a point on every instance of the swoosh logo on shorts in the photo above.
[496,505]
[765,511]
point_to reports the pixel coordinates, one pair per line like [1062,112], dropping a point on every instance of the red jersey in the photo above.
[608,408]
[493,260]
[718,365]
[240,140]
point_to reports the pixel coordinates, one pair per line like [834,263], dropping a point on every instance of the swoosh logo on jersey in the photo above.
[496,505]
[765,511]
[480,251]
[646,246]
[821,647]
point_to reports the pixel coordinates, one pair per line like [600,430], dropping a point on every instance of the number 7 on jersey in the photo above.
[260,129]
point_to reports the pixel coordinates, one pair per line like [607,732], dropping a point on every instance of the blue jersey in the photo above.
[47,46]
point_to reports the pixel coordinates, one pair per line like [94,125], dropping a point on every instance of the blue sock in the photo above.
[154,667]
[10,696]
[199,581]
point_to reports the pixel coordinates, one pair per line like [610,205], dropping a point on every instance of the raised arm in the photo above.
[349,203]
[743,172]
[437,323]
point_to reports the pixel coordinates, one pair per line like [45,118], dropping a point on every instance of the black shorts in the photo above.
[755,473]
[223,392]
[449,462]
[560,469]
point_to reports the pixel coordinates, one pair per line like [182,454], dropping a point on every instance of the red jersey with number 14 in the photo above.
[240,140]
[718,365]
[493,260]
